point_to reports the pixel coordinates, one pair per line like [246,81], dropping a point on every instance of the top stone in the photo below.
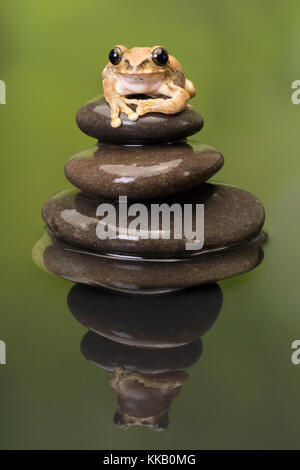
[94,119]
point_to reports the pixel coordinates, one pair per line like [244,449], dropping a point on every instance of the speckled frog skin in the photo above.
[149,71]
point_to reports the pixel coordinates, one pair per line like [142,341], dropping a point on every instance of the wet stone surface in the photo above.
[231,217]
[94,120]
[109,354]
[144,276]
[142,172]
[161,322]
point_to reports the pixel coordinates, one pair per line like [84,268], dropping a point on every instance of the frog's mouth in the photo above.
[140,83]
[141,75]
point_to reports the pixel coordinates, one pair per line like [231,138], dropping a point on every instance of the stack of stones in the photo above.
[150,162]
[146,347]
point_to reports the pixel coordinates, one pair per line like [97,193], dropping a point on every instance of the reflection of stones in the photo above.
[94,119]
[143,171]
[146,373]
[231,216]
[109,354]
[146,381]
[144,276]
[156,323]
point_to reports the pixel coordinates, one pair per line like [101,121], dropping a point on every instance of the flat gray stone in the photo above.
[231,217]
[94,120]
[142,172]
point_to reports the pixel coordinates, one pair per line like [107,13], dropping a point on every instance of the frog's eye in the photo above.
[115,56]
[160,56]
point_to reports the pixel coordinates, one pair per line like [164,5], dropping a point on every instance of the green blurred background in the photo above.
[243,56]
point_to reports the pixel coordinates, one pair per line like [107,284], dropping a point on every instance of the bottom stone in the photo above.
[144,276]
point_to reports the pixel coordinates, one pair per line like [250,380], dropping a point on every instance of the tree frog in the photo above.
[149,71]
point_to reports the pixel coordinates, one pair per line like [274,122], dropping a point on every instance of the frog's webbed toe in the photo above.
[133,116]
[116,122]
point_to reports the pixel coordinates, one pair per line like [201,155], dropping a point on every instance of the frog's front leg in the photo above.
[134,101]
[176,103]
[117,104]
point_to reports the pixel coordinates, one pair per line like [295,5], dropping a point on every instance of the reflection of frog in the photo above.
[144,70]
[145,399]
